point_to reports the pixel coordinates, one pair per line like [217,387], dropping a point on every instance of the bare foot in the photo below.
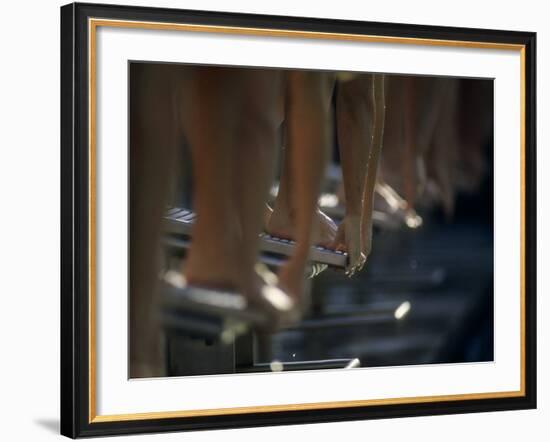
[325,230]
[398,208]
[260,287]
[279,223]
[348,239]
[212,275]
[272,297]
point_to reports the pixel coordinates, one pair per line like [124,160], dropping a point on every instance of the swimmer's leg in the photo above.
[309,128]
[210,123]
[253,164]
[410,148]
[281,221]
[231,124]
[379,105]
[354,111]
[153,141]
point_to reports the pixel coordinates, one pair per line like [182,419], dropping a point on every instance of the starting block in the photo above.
[219,325]
[180,222]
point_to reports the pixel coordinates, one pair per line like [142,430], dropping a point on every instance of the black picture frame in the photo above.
[75,219]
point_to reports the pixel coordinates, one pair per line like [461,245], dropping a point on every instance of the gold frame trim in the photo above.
[92,27]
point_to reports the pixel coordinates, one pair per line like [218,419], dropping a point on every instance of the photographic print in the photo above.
[281,220]
[394,262]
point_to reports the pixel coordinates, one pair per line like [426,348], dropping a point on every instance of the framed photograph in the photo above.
[273,220]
